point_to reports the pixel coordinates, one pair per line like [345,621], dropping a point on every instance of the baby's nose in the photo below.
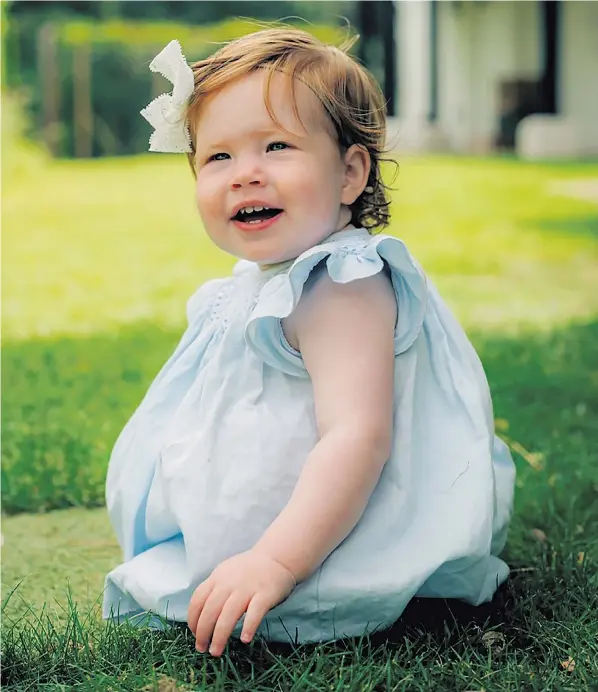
[248,173]
[255,182]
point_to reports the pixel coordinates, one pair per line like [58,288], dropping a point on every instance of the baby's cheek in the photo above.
[203,204]
[323,188]
[323,205]
[207,198]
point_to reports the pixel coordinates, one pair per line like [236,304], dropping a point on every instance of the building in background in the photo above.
[465,76]
[480,76]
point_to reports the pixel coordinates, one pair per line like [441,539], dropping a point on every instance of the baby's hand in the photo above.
[250,583]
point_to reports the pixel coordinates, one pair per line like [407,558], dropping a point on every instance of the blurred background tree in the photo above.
[81,68]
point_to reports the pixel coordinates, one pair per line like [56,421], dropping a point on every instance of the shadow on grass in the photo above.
[543,614]
[64,402]
[582,226]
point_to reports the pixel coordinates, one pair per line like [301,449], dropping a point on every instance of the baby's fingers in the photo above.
[208,618]
[256,610]
[231,613]
[198,600]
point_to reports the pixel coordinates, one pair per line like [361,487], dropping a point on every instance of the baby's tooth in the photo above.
[257,208]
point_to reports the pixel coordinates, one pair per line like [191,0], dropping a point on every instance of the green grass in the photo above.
[98,260]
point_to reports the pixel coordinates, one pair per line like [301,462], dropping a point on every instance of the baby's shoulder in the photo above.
[359,257]
[351,263]
[323,300]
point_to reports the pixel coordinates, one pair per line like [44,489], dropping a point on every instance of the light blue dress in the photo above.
[213,452]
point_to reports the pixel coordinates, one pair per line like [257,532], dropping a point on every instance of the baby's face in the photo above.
[293,180]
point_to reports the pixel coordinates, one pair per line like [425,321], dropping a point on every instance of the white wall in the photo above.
[454,75]
[413,55]
[481,44]
[578,78]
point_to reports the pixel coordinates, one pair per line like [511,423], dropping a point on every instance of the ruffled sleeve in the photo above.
[345,259]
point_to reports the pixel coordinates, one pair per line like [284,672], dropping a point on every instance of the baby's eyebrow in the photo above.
[273,131]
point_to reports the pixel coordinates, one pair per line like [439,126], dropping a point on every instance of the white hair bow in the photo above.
[166,113]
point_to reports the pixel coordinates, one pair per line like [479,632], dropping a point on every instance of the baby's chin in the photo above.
[263,254]
[269,249]
[265,263]
[266,258]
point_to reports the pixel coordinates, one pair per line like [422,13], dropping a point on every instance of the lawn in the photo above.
[99,258]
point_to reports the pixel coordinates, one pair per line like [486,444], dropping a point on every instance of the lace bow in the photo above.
[166,113]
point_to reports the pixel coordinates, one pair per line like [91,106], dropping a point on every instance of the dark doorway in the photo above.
[376,47]
[522,97]
[548,84]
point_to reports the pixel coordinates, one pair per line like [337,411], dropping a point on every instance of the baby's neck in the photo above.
[282,265]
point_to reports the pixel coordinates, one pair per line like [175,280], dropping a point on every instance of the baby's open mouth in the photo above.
[255,214]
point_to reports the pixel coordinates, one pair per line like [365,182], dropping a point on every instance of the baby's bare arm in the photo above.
[346,336]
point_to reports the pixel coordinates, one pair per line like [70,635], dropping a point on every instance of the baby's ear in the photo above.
[357,170]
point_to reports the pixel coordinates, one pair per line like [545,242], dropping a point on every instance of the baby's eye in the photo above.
[277,146]
[220,156]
